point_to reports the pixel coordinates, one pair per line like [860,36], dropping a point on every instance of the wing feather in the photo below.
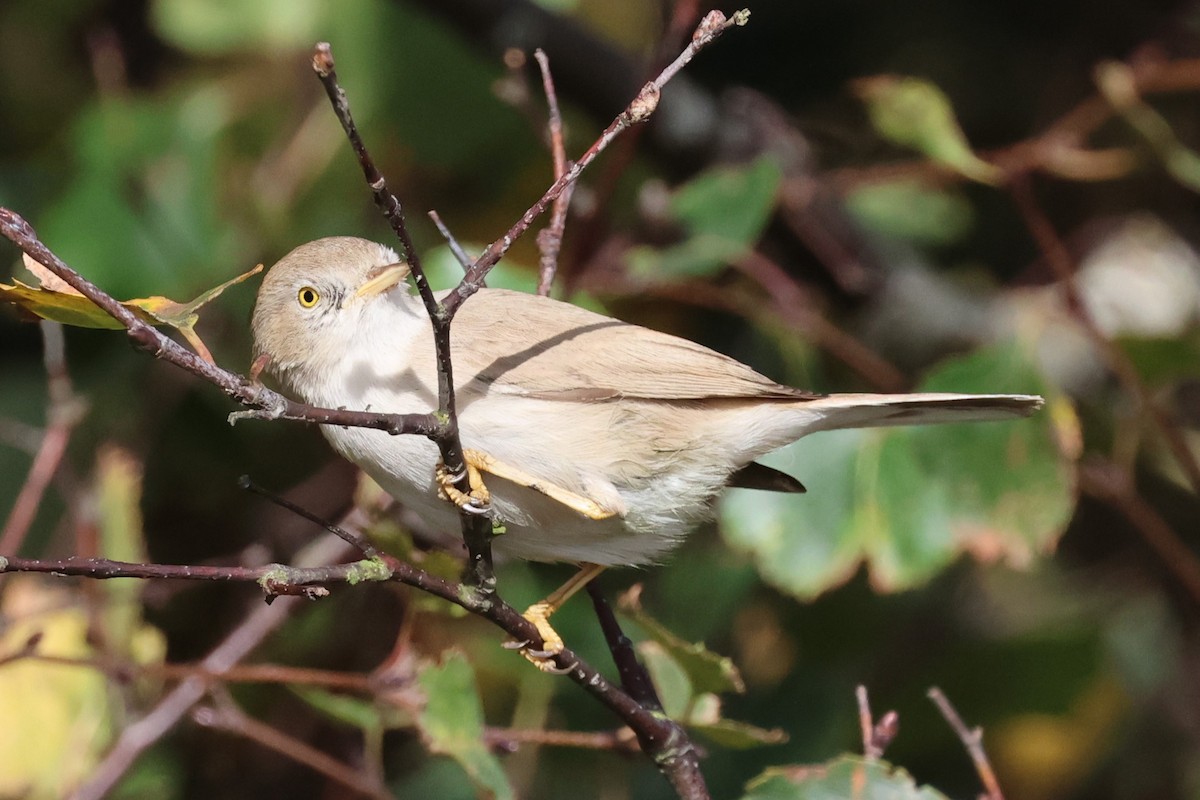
[544,348]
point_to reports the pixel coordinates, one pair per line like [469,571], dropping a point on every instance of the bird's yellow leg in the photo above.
[478,461]
[539,614]
[476,500]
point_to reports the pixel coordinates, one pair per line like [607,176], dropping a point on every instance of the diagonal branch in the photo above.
[476,527]
[266,404]
[660,737]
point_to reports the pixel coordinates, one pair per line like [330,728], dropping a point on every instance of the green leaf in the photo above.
[908,501]
[353,711]
[735,735]
[670,679]
[707,671]
[844,777]
[218,27]
[1162,361]
[915,113]
[912,211]
[452,722]
[724,211]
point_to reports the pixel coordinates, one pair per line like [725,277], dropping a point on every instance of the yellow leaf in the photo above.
[57,301]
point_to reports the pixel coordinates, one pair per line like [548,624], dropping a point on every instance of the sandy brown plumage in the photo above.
[648,425]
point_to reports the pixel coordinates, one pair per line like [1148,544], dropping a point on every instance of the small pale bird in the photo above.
[600,442]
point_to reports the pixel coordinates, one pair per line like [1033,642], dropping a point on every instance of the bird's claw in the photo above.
[476,501]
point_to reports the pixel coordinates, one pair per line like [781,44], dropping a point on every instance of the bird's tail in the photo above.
[837,411]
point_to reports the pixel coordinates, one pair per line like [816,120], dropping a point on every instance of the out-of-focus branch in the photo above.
[140,735]
[972,739]
[224,715]
[1057,256]
[64,412]
[1114,485]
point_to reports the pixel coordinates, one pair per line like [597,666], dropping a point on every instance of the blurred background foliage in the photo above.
[839,194]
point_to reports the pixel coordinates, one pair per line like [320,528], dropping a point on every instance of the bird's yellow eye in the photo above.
[308,297]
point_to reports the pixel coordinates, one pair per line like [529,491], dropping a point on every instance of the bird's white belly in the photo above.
[535,526]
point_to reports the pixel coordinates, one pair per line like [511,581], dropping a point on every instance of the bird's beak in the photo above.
[380,279]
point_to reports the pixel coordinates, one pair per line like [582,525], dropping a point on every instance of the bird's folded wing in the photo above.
[521,344]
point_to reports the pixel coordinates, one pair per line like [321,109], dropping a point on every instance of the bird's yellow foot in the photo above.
[539,614]
[552,643]
[476,501]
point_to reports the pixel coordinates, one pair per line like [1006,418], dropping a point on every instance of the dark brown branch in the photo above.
[476,527]
[660,738]
[635,679]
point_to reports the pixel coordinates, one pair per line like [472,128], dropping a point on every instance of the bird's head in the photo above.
[314,306]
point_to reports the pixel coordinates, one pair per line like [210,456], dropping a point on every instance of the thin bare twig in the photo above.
[866,725]
[638,111]
[550,238]
[463,257]
[352,539]
[972,739]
